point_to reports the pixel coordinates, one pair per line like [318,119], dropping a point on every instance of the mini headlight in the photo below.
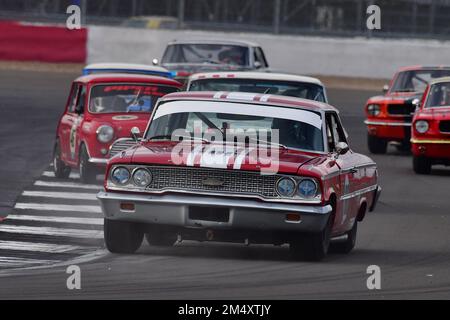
[120,175]
[142,177]
[421,126]
[373,109]
[307,188]
[286,187]
[105,133]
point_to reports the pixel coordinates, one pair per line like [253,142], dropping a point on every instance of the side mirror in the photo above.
[385,88]
[257,64]
[416,104]
[342,148]
[135,133]
[155,62]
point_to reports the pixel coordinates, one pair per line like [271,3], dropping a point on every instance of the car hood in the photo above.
[123,122]
[217,156]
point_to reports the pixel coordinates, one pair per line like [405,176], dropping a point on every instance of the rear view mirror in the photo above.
[385,88]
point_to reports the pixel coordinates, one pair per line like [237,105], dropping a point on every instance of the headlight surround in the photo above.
[142,177]
[286,187]
[120,176]
[421,126]
[105,133]
[307,188]
[373,109]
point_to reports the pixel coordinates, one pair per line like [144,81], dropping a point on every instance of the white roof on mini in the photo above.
[256,76]
[125,66]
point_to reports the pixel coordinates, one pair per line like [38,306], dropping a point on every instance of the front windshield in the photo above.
[206,53]
[126,97]
[439,95]
[417,80]
[292,128]
[285,88]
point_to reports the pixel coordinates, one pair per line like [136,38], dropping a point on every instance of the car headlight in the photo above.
[373,109]
[286,187]
[105,133]
[307,188]
[120,175]
[421,126]
[142,177]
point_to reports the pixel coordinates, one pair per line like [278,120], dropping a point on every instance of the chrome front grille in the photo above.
[193,179]
[120,145]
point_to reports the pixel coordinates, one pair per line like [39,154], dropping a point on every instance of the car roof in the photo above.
[125,77]
[215,41]
[256,76]
[440,80]
[253,98]
[126,68]
[420,67]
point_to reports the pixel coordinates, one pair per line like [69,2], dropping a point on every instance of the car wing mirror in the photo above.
[416,104]
[342,148]
[135,133]
[385,88]
[155,62]
[257,64]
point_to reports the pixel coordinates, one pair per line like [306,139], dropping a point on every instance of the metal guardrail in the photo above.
[400,18]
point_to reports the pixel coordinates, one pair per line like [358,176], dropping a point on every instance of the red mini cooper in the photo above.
[389,116]
[102,108]
[431,128]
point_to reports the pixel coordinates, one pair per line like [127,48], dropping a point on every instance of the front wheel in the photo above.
[312,247]
[88,173]
[122,236]
[347,245]
[376,145]
[59,167]
[421,165]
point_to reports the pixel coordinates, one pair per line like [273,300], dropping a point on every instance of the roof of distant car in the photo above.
[256,76]
[125,77]
[420,67]
[246,97]
[215,41]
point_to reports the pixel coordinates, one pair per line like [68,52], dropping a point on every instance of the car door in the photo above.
[76,134]
[349,176]
[67,121]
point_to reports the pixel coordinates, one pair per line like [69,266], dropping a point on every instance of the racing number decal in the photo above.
[346,201]
[73,138]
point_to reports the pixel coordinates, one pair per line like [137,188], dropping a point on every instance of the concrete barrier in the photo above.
[349,57]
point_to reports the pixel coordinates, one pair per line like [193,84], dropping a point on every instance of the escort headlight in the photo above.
[421,126]
[105,133]
[373,109]
[142,177]
[120,175]
[307,188]
[286,187]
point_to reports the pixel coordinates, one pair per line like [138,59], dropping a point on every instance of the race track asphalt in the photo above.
[407,236]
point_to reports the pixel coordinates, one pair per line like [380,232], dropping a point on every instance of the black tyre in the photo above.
[376,145]
[122,236]
[312,247]
[421,165]
[347,245]
[160,239]
[88,172]
[59,167]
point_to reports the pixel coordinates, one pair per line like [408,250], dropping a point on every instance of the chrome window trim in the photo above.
[358,192]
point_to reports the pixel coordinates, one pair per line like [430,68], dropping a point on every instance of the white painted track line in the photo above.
[21,262]
[37,247]
[73,175]
[67,185]
[58,207]
[49,231]
[88,221]
[61,195]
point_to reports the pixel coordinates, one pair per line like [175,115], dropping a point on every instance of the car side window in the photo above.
[73,98]
[81,100]
[259,57]
[335,132]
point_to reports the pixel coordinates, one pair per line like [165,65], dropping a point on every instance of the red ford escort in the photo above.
[389,116]
[102,108]
[239,167]
[431,128]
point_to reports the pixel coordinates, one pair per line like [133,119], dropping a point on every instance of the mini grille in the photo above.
[401,109]
[120,145]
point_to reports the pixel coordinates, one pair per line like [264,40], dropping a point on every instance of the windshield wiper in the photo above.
[269,143]
[208,122]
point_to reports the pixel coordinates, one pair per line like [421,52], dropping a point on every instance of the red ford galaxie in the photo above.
[389,116]
[239,167]
[431,127]
[102,108]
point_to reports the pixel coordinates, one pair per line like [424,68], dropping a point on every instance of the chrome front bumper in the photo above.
[173,210]
[388,124]
[98,161]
